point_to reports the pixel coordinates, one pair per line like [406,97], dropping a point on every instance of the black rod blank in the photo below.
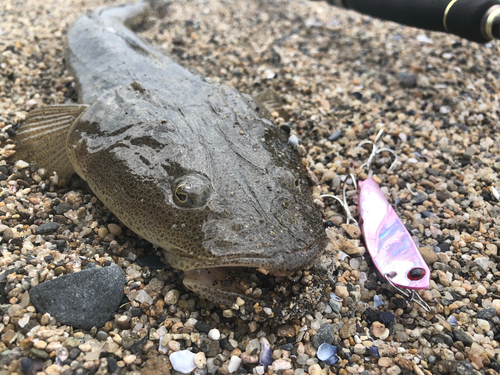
[475,20]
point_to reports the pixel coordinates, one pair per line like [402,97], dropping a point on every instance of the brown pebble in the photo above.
[247,358]
[352,230]
[102,232]
[34,200]
[378,329]
[286,331]
[108,326]
[114,229]
[123,322]
[155,366]
[71,199]
[385,362]
[429,255]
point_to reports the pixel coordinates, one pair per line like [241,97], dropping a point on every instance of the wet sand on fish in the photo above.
[342,77]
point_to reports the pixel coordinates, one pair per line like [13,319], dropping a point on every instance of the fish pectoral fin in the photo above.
[272,102]
[42,137]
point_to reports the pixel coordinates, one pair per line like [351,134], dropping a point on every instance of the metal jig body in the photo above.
[388,241]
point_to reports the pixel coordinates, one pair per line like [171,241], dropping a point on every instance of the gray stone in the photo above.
[446,339]
[127,341]
[486,314]
[8,234]
[84,299]
[462,336]
[8,356]
[325,334]
[407,79]
[39,353]
[27,365]
[213,349]
[336,306]
[47,228]
[62,208]
[101,336]
[464,368]
[402,336]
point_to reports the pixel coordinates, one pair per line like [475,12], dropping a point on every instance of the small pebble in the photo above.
[183,361]
[234,364]
[214,334]
[200,360]
[444,187]
[114,229]
[129,359]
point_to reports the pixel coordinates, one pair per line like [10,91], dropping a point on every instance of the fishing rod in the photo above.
[475,20]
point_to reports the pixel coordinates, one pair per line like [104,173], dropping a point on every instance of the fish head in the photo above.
[214,184]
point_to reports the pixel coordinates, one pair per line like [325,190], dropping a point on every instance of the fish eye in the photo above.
[416,274]
[191,191]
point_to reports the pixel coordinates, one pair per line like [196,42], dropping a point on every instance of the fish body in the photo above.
[195,168]
[390,245]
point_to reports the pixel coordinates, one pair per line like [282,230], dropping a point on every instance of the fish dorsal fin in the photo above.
[42,137]
[272,102]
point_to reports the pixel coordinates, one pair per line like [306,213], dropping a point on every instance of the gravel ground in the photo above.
[342,77]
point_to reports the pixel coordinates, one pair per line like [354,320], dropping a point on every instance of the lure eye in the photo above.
[191,191]
[416,274]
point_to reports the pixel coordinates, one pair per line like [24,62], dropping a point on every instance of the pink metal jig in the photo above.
[390,245]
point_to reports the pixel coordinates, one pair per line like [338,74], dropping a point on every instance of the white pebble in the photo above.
[31,103]
[281,364]
[143,296]
[485,326]
[293,140]
[21,164]
[259,370]
[252,345]
[183,361]
[214,334]
[23,321]
[377,301]
[424,39]
[234,364]
[495,193]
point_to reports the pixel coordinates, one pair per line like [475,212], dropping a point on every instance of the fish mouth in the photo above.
[249,280]
[227,286]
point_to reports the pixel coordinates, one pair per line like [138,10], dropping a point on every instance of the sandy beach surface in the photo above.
[342,77]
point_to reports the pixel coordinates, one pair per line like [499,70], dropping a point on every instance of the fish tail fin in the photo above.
[272,102]
[159,7]
[136,17]
[42,137]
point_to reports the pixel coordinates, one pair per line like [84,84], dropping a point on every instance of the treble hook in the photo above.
[376,150]
[343,201]
[410,294]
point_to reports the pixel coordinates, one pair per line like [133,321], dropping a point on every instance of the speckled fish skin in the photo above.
[389,243]
[144,148]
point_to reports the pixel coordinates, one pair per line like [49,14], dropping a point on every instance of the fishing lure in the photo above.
[390,245]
